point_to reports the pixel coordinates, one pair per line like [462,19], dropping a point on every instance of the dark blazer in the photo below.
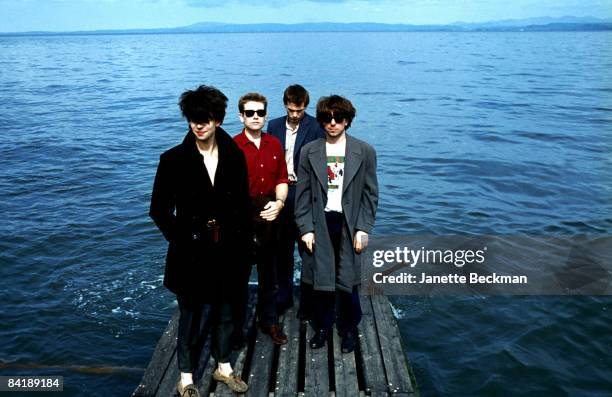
[184,200]
[309,131]
[359,203]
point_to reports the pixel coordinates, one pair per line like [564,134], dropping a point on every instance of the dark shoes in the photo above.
[319,339]
[348,344]
[232,381]
[349,341]
[276,333]
[187,391]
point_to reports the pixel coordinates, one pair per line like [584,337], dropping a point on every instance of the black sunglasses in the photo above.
[326,117]
[251,113]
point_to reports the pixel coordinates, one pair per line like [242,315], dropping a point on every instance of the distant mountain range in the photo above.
[509,25]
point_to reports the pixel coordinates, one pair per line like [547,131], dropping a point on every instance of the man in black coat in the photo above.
[200,203]
[294,130]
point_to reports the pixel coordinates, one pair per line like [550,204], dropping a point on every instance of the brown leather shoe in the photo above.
[276,333]
[232,381]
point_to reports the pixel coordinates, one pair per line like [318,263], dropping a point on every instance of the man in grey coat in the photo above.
[335,208]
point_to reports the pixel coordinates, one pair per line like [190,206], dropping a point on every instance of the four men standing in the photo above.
[217,200]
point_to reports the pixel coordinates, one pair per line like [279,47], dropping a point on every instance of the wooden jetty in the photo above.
[378,367]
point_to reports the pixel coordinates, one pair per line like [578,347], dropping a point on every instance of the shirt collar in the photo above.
[293,131]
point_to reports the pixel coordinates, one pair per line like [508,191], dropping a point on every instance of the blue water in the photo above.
[484,133]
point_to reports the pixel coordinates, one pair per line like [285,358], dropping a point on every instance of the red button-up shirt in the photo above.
[266,165]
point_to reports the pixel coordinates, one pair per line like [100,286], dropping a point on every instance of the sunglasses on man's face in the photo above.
[251,113]
[327,117]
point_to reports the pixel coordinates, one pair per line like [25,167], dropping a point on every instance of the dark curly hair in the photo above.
[203,104]
[337,105]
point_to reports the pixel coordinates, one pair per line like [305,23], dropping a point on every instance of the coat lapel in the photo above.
[282,132]
[299,140]
[318,162]
[352,161]
[196,165]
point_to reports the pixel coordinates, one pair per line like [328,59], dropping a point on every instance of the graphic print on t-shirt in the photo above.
[335,178]
[335,171]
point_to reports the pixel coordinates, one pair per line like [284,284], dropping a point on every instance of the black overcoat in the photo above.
[184,201]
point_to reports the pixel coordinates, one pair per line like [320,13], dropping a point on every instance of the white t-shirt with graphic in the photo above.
[335,175]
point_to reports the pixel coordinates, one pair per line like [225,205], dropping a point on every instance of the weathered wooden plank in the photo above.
[345,371]
[287,372]
[206,383]
[316,382]
[379,363]
[167,385]
[261,366]
[396,366]
[371,361]
[162,356]
[366,305]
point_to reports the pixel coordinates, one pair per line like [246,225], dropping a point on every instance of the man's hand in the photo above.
[309,240]
[271,210]
[360,241]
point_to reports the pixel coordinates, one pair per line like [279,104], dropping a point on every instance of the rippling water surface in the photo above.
[487,133]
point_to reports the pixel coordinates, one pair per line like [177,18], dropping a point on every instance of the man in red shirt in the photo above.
[268,186]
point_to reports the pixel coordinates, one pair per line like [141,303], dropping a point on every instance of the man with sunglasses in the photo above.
[294,130]
[336,201]
[268,190]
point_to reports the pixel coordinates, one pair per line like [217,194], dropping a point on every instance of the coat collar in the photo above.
[224,142]
[301,134]
[352,162]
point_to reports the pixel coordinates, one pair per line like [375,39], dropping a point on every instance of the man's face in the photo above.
[295,112]
[254,116]
[335,125]
[204,131]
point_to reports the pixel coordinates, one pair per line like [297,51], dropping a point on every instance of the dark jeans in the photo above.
[190,339]
[266,240]
[266,272]
[330,305]
[288,235]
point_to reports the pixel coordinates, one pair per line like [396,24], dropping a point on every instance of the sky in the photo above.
[70,15]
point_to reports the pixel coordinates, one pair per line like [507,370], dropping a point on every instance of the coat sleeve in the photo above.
[163,201]
[303,196]
[369,195]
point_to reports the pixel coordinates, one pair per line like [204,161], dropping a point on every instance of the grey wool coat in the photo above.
[359,203]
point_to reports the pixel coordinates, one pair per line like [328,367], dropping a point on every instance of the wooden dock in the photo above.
[378,367]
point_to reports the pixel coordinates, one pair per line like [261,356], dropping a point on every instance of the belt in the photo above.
[292,183]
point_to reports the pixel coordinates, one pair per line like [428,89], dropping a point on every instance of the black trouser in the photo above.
[327,305]
[266,241]
[287,236]
[190,339]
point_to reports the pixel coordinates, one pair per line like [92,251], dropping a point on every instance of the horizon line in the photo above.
[457,26]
